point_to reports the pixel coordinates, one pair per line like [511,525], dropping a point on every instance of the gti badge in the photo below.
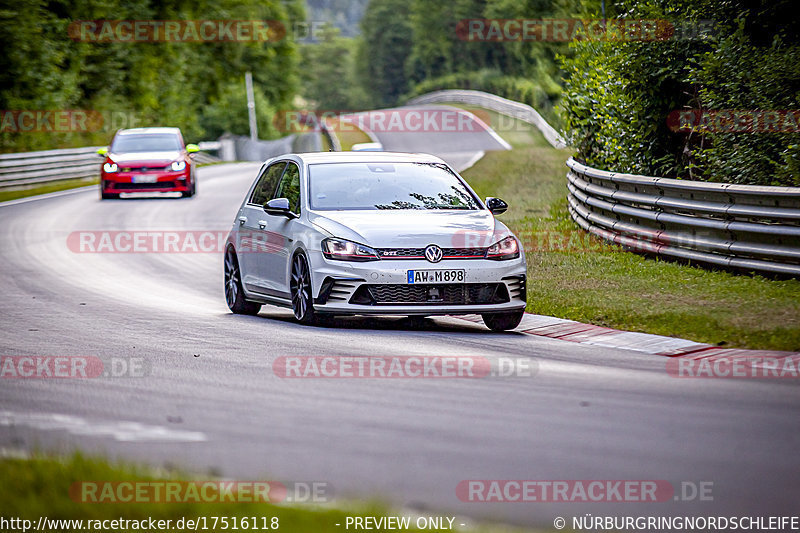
[433,253]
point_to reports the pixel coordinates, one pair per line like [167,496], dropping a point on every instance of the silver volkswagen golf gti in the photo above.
[372,233]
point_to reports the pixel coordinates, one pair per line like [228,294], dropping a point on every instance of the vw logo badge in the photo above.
[433,253]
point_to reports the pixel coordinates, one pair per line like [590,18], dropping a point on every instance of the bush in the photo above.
[618,95]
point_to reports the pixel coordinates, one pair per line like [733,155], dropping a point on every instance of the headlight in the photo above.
[508,248]
[110,167]
[177,166]
[343,250]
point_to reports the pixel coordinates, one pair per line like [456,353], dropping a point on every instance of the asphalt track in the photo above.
[211,403]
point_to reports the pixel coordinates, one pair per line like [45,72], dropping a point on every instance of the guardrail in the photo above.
[745,227]
[32,168]
[496,103]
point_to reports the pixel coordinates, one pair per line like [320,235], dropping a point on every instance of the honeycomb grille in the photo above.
[429,294]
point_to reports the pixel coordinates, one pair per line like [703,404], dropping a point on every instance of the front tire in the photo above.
[108,195]
[502,321]
[234,294]
[300,289]
[192,190]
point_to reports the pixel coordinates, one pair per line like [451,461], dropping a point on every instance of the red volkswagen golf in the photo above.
[148,160]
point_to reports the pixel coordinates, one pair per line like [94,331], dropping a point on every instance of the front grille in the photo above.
[147,169]
[145,186]
[430,294]
[419,253]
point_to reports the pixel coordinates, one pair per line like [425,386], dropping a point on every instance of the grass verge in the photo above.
[48,487]
[576,276]
[348,133]
[13,194]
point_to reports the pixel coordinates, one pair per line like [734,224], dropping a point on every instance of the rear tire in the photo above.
[234,294]
[502,321]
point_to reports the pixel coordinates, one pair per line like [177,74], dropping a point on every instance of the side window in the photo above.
[290,187]
[267,183]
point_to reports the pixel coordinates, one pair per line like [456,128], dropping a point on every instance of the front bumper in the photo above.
[119,182]
[382,288]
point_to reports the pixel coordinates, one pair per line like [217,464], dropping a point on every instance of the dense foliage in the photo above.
[329,68]
[198,86]
[619,95]
[414,46]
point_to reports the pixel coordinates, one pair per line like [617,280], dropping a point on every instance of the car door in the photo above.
[276,266]
[255,240]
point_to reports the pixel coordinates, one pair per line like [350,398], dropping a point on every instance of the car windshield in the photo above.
[335,186]
[149,142]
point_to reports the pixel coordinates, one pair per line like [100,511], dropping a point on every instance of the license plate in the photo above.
[143,178]
[436,276]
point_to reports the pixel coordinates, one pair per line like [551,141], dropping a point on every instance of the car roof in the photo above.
[366,157]
[139,131]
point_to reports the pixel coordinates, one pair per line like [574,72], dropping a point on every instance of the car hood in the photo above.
[412,228]
[155,158]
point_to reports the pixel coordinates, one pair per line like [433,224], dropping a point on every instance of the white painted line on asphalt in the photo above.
[121,431]
[486,127]
[475,158]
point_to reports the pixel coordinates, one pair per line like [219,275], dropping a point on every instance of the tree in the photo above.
[387,42]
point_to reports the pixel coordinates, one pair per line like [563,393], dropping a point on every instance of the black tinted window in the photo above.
[267,183]
[290,187]
[146,142]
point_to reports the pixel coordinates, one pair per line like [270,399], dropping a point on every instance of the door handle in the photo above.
[242,220]
[262,224]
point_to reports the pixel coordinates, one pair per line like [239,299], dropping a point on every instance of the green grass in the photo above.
[348,134]
[573,275]
[13,194]
[40,487]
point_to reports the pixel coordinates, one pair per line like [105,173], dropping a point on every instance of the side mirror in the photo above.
[279,207]
[192,148]
[496,206]
[103,150]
